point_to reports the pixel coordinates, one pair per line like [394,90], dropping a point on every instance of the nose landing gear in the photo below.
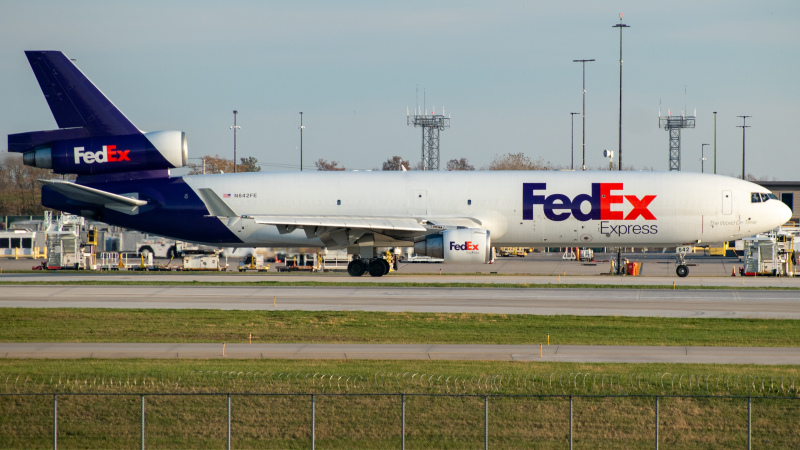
[682,270]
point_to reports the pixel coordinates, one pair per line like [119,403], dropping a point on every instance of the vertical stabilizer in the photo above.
[73,99]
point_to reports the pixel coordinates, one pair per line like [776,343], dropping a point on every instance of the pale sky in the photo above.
[503,69]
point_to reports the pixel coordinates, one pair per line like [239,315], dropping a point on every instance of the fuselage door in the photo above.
[727,202]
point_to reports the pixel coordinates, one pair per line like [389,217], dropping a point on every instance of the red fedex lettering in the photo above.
[606,199]
[123,155]
[640,207]
[112,154]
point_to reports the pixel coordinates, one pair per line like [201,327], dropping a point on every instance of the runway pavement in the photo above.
[529,353]
[727,303]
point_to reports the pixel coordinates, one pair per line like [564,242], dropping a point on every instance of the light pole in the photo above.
[743,126]
[234,128]
[301,141]
[572,142]
[702,157]
[583,115]
[620,25]
[715,142]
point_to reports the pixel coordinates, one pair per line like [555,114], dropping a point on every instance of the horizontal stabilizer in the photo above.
[94,196]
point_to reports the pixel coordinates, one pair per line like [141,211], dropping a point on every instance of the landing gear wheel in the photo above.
[378,267]
[356,268]
[386,266]
[682,271]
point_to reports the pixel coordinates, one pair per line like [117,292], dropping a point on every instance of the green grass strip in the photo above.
[199,326]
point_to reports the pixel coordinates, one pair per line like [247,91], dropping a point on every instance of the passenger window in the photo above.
[755,198]
[764,197]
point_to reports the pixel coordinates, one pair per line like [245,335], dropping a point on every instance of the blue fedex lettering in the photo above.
[558,207]
[465,246]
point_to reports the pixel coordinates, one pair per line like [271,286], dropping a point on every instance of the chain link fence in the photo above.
[397,410]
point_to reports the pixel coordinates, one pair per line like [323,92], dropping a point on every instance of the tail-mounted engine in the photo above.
[110,154]
[463,245]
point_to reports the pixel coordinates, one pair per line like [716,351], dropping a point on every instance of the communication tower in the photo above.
[431,125]
[673,125]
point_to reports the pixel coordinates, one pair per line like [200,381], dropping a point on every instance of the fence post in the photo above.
[313,419]
[229,422]
[403,421]
[142,398]
[570,422]
[749,429]
[656,422]
[486,422]
[55,421]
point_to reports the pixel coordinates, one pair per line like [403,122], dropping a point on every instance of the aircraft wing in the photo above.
[368,223]
[345,230]
[94,196]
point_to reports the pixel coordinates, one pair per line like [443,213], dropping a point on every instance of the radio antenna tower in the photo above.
[431,125]
[673,125]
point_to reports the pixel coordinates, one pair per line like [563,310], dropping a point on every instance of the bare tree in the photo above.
[218,164]
[395,163]
[459,164]
[325,165]
[518,161]
[20,194]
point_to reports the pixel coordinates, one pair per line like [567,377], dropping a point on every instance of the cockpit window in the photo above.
[764,197]
[755,197]
[772,196]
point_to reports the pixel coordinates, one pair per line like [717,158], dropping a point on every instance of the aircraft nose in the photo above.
[784,213]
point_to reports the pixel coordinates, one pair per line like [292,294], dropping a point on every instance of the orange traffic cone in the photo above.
[733,272]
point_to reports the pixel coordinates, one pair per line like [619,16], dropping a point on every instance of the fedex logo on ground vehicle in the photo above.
[465,246]
[109,153]
[558,207]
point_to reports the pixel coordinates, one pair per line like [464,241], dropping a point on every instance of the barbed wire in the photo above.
[555,383]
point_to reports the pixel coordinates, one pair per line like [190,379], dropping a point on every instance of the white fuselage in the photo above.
[531,208]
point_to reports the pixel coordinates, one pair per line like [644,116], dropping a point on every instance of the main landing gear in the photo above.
[377,267]
[682,270]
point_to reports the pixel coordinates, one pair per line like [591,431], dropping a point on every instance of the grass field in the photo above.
[151,325]
[519,416]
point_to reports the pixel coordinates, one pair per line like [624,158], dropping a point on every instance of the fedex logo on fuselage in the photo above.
[465,246]
[603,202]
[109,153]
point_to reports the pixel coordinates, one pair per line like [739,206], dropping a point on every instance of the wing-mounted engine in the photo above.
[111,154]
[460,246]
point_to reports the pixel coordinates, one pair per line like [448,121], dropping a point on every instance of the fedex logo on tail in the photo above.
[604,203]
[108,153]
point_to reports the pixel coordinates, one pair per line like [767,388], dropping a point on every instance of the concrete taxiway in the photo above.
[530,353]
[713,303]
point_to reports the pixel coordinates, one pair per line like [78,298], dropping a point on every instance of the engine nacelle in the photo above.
[460,246]
[112,154]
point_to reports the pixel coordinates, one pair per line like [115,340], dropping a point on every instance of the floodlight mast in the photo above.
[620,25]
[431,124]
[583,115]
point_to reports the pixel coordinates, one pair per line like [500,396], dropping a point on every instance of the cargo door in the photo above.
[727,202]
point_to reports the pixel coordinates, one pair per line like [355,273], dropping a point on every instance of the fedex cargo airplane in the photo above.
[123,178]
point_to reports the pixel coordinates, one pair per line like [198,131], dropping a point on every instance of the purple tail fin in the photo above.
[73,99]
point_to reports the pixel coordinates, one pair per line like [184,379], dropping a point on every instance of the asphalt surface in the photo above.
[530,353]
[711,303]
